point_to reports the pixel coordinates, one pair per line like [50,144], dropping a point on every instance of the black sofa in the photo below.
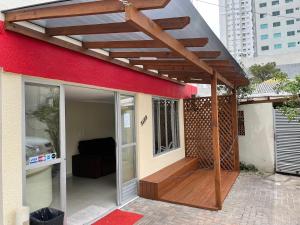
[96,158]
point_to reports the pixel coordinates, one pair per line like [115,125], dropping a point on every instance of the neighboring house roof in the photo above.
[266,89]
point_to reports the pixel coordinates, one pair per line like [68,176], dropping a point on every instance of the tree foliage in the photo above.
[290,107]
[263,72]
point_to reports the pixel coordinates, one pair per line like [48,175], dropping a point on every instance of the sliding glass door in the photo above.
[44,154]
[127,179]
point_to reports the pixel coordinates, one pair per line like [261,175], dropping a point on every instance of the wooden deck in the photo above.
[184,183]
[197,189]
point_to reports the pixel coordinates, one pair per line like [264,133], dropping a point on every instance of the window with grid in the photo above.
[165,125]
[241,123]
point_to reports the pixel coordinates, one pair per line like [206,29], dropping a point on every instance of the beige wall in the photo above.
[85,121]
[11,146]
[257,146]
[147,163]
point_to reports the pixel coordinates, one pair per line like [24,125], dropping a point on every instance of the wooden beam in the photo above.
[58,42]
[225,81]
[190,42]
[81,9]
[165,24]
[216,139]
[235,144]
[176,68]
[150,28]
[164,54]
[174,72]
[213,63]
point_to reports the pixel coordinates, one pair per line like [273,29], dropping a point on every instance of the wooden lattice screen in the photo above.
[198,131]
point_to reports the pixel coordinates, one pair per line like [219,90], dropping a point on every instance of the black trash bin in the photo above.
[47,216]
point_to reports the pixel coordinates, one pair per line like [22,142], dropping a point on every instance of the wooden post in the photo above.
[235,144]
[216,139]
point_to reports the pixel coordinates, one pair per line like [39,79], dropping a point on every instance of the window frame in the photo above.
[175,125]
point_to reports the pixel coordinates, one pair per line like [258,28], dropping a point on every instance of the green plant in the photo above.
[248,167]
[290,107]
[48,114]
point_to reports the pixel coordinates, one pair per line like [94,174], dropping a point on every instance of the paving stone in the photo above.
[253,200]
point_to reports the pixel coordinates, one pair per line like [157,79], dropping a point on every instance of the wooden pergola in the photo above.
[176,62]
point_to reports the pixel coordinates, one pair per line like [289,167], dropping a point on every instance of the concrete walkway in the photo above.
[254,200]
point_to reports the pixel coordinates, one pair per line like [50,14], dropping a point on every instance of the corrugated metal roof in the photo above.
[266,89]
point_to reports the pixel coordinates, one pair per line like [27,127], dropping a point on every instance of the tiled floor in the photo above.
[254,200]
[89,198]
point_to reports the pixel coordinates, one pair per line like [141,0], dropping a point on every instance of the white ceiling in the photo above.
[74,93]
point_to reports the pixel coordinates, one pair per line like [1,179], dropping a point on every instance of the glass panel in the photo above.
[169,125]
[162,118]
[127,119]
[128,163]
[156,124]
[176,125]
[43,187]
[42,123]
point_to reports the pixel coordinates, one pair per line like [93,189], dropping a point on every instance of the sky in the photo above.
[210,13]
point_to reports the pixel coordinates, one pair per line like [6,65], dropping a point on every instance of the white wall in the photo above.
[257,146]
[84,121]
[147,163]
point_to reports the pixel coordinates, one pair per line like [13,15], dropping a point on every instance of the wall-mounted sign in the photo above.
[144,120]
[42,158]
[127,120]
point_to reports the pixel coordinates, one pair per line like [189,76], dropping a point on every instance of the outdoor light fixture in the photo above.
[196,79]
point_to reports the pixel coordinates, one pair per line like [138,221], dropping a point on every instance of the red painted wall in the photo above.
[24,55]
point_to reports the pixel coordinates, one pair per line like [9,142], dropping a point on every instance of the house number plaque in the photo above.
[144,120]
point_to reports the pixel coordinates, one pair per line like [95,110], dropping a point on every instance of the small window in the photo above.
[263,15]
[289,11]
[277,35]
[289,22]
[241,123]
[288,1]
[292,44]
[264,4]
[265,48]
[264,37]
[264,26]
[276,13]
[276,24]
[290,33]
[277,46]
[165,125]
[275,2]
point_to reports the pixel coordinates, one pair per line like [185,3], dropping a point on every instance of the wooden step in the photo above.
[159,183]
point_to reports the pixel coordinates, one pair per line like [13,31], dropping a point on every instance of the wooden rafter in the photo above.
[153,30]
[185,67]
[190,42]
[175,73]
[222,63]
[125,27]
[150,28]
[58,42]
[175,68]
[81,9]
[164,54]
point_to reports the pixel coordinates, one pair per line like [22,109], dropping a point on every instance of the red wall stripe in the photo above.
[24,55]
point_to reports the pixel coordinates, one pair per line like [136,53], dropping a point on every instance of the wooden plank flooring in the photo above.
[197,189]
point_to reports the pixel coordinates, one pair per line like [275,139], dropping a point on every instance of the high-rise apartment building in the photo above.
[237,27]
[277,26]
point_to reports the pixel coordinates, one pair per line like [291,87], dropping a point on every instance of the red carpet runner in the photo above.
[119,217]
